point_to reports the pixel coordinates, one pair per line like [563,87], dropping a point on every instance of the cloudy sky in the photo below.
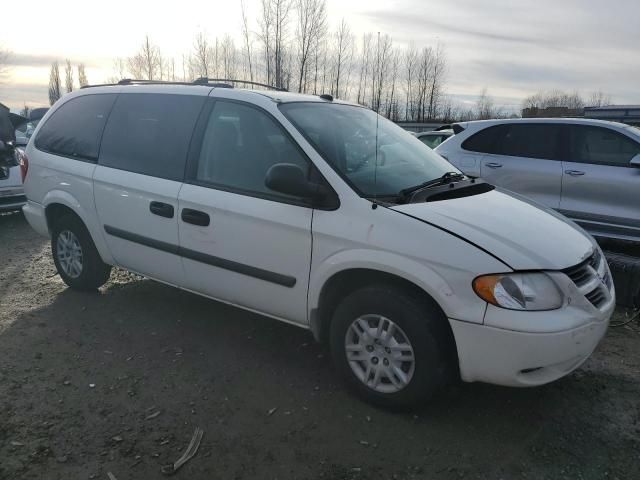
[512,47]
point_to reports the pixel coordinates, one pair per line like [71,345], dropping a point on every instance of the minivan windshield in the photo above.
[373,154]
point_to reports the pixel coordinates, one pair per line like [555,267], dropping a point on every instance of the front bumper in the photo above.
[35,215]
[522,359]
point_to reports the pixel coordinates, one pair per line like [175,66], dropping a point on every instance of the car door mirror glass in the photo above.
[635,161]
[291,179]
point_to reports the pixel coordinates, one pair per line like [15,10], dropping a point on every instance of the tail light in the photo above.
[24,165]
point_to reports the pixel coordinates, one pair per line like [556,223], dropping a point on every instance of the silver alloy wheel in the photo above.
[379,353]
[69,253]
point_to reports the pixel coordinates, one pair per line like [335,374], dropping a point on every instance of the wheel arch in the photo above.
[58,202]
[346,281]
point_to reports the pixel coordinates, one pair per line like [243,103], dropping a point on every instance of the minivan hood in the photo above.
[517,231]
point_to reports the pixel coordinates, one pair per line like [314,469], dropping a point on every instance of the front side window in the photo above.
[374,155]
[239,145]
[150,133]
[75,128]
[601,146]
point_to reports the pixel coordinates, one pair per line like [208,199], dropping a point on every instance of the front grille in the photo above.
[580,274]
[592,279]
[597,297]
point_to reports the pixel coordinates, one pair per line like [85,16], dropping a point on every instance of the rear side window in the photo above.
[601,146]
[485,141]
[534,140]
[150,133]
[74,129]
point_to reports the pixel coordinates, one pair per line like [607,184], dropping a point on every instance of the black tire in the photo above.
[421,321]
[94,272]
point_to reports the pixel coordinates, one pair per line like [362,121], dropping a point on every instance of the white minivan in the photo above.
[324,215]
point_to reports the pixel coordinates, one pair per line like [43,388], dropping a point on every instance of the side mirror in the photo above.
[290,179]
[635,161]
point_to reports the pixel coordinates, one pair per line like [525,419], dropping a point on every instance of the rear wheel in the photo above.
[75,255]
[390,346]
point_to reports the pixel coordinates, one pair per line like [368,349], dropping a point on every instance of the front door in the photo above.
[600,189]
[241,242]
[527,162]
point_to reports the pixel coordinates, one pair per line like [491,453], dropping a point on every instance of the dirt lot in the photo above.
[82,377]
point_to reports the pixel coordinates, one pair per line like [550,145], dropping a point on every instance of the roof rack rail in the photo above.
[131,81]
[208,81]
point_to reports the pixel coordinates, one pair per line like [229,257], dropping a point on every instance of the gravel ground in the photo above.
[117,381]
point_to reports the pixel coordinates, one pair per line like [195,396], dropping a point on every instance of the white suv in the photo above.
[321,214]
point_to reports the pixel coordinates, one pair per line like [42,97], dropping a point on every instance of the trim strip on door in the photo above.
[259,273]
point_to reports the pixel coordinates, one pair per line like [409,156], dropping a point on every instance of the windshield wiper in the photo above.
[446,178]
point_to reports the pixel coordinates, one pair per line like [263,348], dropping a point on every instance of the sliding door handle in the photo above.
[574,173]
[195,217]
[161,209]
[493,165]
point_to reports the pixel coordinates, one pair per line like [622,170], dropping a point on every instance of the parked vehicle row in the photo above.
[322,214]
[434,138]
[16,133]
[589,170]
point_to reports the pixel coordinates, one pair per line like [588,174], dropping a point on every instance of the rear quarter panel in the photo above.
[59,180]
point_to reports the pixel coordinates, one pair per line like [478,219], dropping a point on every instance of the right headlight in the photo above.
[533,291]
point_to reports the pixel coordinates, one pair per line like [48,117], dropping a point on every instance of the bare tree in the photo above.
[365,58]
[202,57]
[273,34]
[436,81]
[392,102]
[486,107]
[554,99]
[68,76]
[422,86]
[266,36]
[343,52]
[82,76]
[599,99]
[55,85]
[229,57]
[147,63]
[119,69]
[246,34]
[281,10]
[410,65]
[310,28]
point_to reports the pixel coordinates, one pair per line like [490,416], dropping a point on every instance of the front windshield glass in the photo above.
[377,157]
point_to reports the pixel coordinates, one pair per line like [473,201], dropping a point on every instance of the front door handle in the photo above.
[161,209]
[574,173]
[493,165]
[195,217]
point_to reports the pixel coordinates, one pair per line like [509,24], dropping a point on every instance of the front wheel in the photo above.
[75,255]
[390,346]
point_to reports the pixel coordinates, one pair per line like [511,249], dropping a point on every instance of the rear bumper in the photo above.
[14,202]
[35,215]
[523,359]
